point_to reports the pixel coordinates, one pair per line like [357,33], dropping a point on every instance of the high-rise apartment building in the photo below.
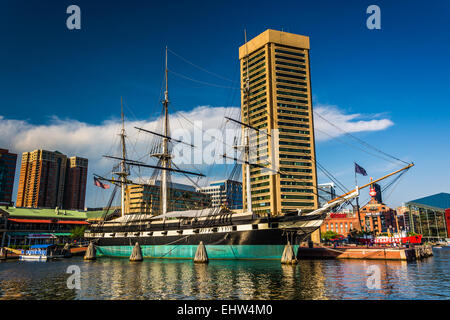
[275,68]
[75,185]
[43,177]
[7,171]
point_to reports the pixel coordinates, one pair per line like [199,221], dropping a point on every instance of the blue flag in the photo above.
[360,170]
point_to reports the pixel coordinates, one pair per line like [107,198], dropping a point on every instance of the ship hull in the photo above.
[215,252]
[249,244]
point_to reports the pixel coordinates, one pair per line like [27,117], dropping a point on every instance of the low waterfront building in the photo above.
[447,221]
[145,198]
[3,220]
[224,193]
[340,222]
[23,226]
[427,216]
[403,217]
[7,171]
[377,217]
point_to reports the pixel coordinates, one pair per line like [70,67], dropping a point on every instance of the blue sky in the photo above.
[51,75]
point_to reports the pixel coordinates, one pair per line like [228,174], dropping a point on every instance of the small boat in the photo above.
[41,253]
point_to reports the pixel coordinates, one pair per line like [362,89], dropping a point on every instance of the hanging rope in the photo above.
[198,67]
[202,82]
[359,140]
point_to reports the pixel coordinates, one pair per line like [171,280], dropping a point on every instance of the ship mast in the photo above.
[165,156]
[123,174]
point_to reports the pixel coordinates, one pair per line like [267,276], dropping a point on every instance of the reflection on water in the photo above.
[182,279]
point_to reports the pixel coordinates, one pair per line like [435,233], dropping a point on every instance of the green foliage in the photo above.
[329,235]
[412,234]
[78,232]
[18,246]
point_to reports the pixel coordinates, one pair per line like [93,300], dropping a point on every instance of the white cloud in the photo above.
[91,141]
[346,122]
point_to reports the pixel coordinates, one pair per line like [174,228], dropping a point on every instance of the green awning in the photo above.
[18,233]
[39,233]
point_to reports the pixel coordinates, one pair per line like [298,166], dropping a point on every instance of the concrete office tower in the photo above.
[279,101]
[7,171]
[224,193]
[326,192]
[75,185]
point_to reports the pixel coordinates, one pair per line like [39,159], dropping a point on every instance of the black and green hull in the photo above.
[250,244]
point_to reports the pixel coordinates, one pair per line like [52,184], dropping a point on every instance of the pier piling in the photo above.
[90,252]
[136,254]
[66,251]
[288,256]
[201,256]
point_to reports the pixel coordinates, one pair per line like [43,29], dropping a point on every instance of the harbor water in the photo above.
[115,278]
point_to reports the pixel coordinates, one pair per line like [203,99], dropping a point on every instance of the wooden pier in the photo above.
[365,253]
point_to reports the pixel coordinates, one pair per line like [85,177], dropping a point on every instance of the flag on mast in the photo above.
[360,170]
[98,183]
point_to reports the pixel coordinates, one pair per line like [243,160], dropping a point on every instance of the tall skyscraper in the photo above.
[42,181]
[279,101]
[75,184]
[7,171]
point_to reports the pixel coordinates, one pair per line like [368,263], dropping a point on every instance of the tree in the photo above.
[329,235]
[77,232]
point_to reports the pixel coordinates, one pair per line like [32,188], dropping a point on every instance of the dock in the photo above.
[364,253]
[78,251]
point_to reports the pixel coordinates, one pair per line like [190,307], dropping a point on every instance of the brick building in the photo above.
[341,223]
[378,217]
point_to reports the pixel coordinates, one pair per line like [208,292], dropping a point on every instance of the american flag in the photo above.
[360,170]
[98,183]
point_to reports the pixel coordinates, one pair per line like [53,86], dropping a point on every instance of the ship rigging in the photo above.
[175,234]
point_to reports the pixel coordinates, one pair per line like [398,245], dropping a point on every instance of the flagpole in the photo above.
[357,202]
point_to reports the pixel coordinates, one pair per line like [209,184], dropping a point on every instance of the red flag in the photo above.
[98,183]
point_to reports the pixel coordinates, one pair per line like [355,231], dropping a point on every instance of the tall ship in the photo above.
[262,228]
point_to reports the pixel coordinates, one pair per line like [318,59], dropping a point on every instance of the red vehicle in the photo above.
[338,238]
